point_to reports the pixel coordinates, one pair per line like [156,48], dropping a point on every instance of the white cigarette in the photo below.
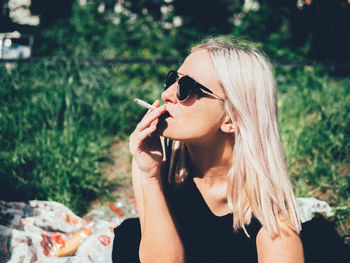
[144,104]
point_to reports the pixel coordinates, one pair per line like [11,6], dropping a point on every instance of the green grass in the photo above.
[315,126]
[58,120]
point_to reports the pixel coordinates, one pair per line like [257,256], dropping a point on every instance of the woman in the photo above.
[221,193]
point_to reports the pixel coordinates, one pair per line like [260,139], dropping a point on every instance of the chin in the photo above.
[165,132]
[171,135]
[171,129]
[168,129]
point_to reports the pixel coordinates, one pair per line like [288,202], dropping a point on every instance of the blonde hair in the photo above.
[258,183]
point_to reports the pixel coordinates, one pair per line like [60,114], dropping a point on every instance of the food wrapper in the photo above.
[43,231]
[308,206]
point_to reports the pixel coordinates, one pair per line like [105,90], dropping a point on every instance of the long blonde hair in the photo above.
[258,182]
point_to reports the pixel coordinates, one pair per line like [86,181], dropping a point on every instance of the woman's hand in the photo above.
[145,145]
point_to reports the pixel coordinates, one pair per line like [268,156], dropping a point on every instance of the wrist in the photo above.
[148,180]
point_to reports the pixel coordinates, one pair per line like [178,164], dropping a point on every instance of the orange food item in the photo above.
[71,245]
[58,239]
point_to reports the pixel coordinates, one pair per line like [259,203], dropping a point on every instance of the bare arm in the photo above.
[160,241]
[285,248]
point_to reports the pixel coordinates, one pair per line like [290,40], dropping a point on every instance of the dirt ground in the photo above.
[118,173]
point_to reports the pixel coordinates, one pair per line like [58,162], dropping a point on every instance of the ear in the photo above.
[227,125]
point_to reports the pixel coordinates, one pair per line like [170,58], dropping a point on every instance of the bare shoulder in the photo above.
[284,248]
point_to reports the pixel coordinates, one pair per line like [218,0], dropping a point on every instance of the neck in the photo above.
[211,160]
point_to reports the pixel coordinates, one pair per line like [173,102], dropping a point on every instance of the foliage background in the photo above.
[58,117]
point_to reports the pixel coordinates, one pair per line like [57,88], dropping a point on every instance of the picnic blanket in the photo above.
[43,231]
[46,231]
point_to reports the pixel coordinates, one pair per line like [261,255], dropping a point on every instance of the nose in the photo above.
[169,95]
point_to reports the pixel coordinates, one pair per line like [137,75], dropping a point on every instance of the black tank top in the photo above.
[205,236]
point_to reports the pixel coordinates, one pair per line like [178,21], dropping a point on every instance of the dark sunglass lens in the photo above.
[185,87]
[170,79]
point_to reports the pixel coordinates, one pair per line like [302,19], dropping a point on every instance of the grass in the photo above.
[315,127]
[58,120]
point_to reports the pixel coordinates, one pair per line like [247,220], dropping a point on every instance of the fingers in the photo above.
[150,117]
[146,132]
[156,104]
[146,127]
[137,138]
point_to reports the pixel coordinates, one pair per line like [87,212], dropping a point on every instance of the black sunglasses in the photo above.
[186,86]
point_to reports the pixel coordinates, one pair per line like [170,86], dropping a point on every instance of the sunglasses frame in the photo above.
[196,85]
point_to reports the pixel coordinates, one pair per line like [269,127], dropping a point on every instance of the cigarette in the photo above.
[144,104]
